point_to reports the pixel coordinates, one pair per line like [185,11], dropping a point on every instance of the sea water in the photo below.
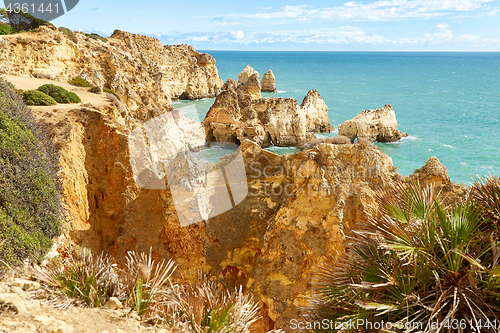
[448,103]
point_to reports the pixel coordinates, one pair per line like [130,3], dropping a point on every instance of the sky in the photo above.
[293,25]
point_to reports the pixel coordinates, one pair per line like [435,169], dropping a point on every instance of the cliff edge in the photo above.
[143,72]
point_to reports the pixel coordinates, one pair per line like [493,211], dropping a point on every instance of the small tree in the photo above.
[21,21]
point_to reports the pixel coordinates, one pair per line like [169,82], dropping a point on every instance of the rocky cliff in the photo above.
[373,125]
[236,116]
[144,73]
[297,208]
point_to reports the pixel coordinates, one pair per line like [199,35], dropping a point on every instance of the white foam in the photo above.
[281,91]
[448,146]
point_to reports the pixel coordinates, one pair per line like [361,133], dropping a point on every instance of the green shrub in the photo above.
[35,97]
[69,34]
[60,94]
[80,82]
[416,260]
[29,188]
[116,31]
[5,29]
[96,36]
[95,90]
[111,91]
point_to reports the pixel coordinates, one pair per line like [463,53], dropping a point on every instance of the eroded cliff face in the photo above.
[144,73]
[297,210]
[236,116]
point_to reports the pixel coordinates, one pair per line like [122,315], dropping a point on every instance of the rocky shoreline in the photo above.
[298,209]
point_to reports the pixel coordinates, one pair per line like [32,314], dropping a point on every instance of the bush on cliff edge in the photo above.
[60,94]
[29,190]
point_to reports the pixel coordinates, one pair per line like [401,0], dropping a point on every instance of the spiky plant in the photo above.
[207,307]
[416,264]
[145,277]
[85,276]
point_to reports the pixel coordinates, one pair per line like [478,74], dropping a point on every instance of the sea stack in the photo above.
[374,125]
[236,116]
[249,78]
[268,82]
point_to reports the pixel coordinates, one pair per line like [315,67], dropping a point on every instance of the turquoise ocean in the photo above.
[449,103]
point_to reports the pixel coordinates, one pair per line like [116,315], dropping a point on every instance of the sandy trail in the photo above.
[30,83]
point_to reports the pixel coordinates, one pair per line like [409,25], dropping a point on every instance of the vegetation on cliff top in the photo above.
[60,94]
[419,263]
[69,34]
[29,194]
[146,285]
[35,97]
[11,22]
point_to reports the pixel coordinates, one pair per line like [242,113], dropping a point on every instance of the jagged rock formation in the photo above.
[374,125]
[144,73]
[432,172]
[235,116]
[268,82]
[250,80]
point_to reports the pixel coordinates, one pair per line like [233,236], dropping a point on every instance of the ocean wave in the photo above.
[448,146]
[281,91]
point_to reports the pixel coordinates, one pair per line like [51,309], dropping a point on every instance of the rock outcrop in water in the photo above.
[235,116]
[373,125]
[144,73]
[250,80]
[268,82]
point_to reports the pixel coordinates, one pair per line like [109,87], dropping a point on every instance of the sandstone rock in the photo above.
[235,116]
[16,290]
[250,80]
[113,304]
[26,285]
[268,82]
[432,172]
[143,72]
[316,113]
[15,301]
[246,74]
[373,125]
[253,86]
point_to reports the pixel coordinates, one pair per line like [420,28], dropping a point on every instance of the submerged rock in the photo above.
[373,125]
[236,116]
[268,82]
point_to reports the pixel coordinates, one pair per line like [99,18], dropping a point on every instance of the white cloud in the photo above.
[345,37]
[383,10]
[468,38]
[238,34]
[443,26]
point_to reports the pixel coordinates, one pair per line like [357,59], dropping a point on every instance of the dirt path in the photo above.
[30,83]
[23,311]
